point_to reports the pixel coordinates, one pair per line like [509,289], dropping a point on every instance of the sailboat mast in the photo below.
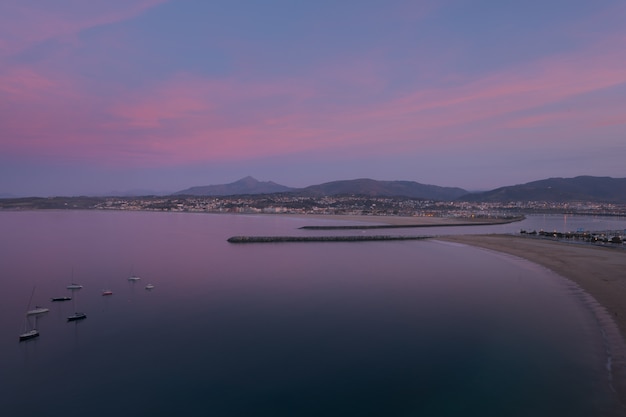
[30,300]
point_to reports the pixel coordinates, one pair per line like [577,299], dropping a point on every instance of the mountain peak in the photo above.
[246,185]
[248,180]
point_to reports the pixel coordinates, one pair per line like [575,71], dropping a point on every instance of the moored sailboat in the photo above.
[30,332]
[133,277]
[74,286]
[77,315]
[37,310]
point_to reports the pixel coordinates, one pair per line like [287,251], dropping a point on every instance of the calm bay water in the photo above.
[303,329]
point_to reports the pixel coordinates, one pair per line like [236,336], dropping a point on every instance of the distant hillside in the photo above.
[365,187]
[583,188]
[369,187]
[247,185]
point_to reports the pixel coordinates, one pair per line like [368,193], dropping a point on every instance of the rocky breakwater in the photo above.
[278,239]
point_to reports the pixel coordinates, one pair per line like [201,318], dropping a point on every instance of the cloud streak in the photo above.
[368,102]
[23,25]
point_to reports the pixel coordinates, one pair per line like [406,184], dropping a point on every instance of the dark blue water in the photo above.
[409,328]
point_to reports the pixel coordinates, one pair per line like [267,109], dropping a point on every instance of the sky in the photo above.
[107,96]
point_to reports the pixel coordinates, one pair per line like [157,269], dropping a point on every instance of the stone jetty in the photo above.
[278,239]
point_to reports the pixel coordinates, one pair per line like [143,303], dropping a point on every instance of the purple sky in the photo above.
[101,96]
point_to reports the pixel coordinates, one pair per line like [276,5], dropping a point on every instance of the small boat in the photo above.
[149,287]
[107,292]
[133,277]
[60,298]
[73,286]
[30,334]
[37,310]
[77,316]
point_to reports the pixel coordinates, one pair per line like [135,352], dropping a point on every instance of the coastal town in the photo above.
[326,205]
[357,205]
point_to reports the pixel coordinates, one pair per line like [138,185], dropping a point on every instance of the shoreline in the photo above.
[599,272]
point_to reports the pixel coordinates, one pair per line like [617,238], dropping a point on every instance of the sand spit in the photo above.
[399,221]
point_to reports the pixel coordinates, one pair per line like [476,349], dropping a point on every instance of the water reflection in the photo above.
[374,328]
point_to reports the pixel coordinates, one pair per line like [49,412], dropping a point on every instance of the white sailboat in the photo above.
[30,332]
[73,285]
[77,315]
[37,310]
[133,277]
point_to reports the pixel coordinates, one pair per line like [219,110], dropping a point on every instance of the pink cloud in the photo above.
[24,84]
[191,118]
[480,103]
[611,121]
[22,26]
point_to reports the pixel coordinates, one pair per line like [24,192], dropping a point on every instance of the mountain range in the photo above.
[582,188]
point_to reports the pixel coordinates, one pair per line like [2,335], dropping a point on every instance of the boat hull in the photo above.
[31,334]
[77,316]
[39,310]
[74,287]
